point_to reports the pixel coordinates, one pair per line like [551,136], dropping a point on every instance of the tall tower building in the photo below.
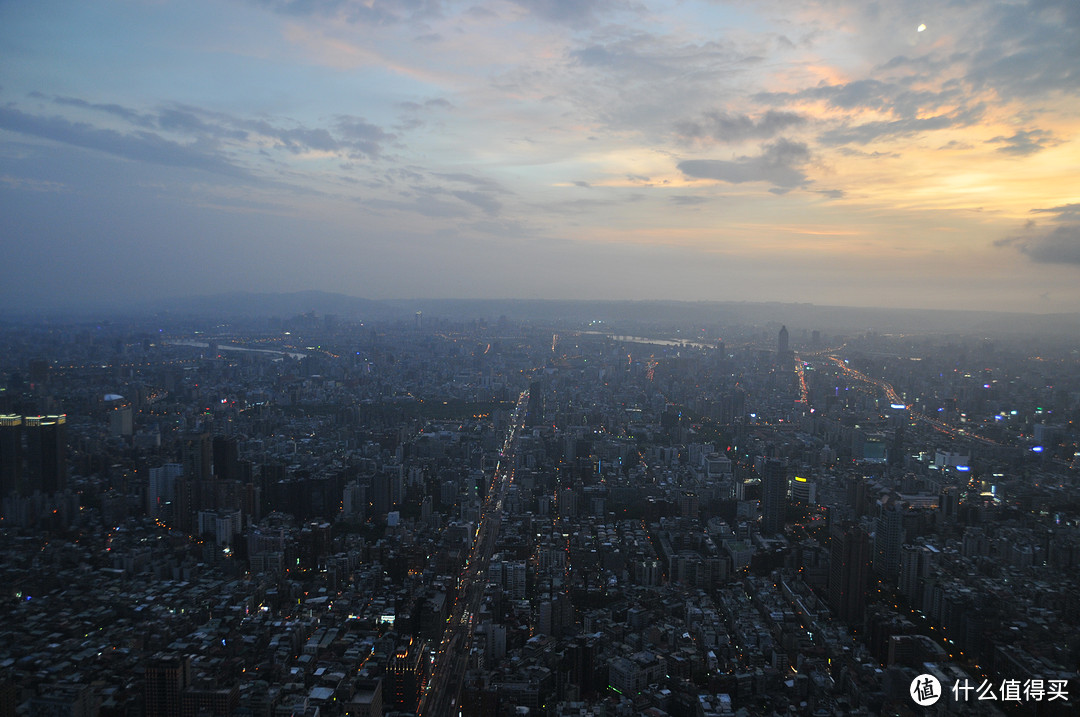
[43,458]
[782,341]
[11,457]
[197,456]
[226,458]
[916,562]
[534,411]
[849,571]
[888,539]
[161,490]
[406,676]
[773,496]
[949,504]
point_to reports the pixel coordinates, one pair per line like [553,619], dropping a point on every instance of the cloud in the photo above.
[871,131]
[894,96]
[371,12]
[687,200]
[187,120]
[486,202]
[570,12]
[955,144]
[1030,49]
[431,188]
[126,113]
[642,56]
[32,185]
[636,80]
[293,139]
[1060,245]
[436,103]
[725,127]
[416,114]
[361,136]
[907,105]
[479,182]
[1066,212]
[426,206]
[777,164]
[352,136]
[852,152]
[139,145]
[1025,142]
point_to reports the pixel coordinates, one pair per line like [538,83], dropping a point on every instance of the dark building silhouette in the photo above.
[196,455]
[165,679]
[785,357]
[33,454]
[773,496]
[208,699]
[46,452]
[916,562]
[226,457]
[366,700]
[406,676]
[10,455]
[888,540]
[534,415]
[849,571]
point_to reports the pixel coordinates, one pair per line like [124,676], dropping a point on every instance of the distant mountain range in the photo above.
[801,316]
[266,304]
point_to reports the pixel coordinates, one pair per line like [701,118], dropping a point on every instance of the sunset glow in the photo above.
[555,148]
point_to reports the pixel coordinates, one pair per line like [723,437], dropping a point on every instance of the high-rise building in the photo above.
[888,539]
[803,490]
[165,679]
[10,455]
[121,420]
[46,452]
[773,496]
[161,490]
[916,562]
[782,341]
[534,411]
[406,675]
[196,455]
[514,573]
[33,454]
[949,504]
[849,571]
[226,456]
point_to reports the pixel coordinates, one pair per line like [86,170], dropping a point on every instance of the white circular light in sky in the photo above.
[921,27]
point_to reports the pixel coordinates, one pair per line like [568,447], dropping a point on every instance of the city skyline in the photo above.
[907,155]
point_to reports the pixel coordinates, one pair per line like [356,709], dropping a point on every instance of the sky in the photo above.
[840,152]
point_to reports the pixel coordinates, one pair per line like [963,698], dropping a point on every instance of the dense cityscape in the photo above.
[539,358]
[318,515]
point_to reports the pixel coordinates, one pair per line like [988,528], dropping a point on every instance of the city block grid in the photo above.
[314,516]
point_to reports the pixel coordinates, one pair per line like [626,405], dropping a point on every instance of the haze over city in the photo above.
[910,154]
